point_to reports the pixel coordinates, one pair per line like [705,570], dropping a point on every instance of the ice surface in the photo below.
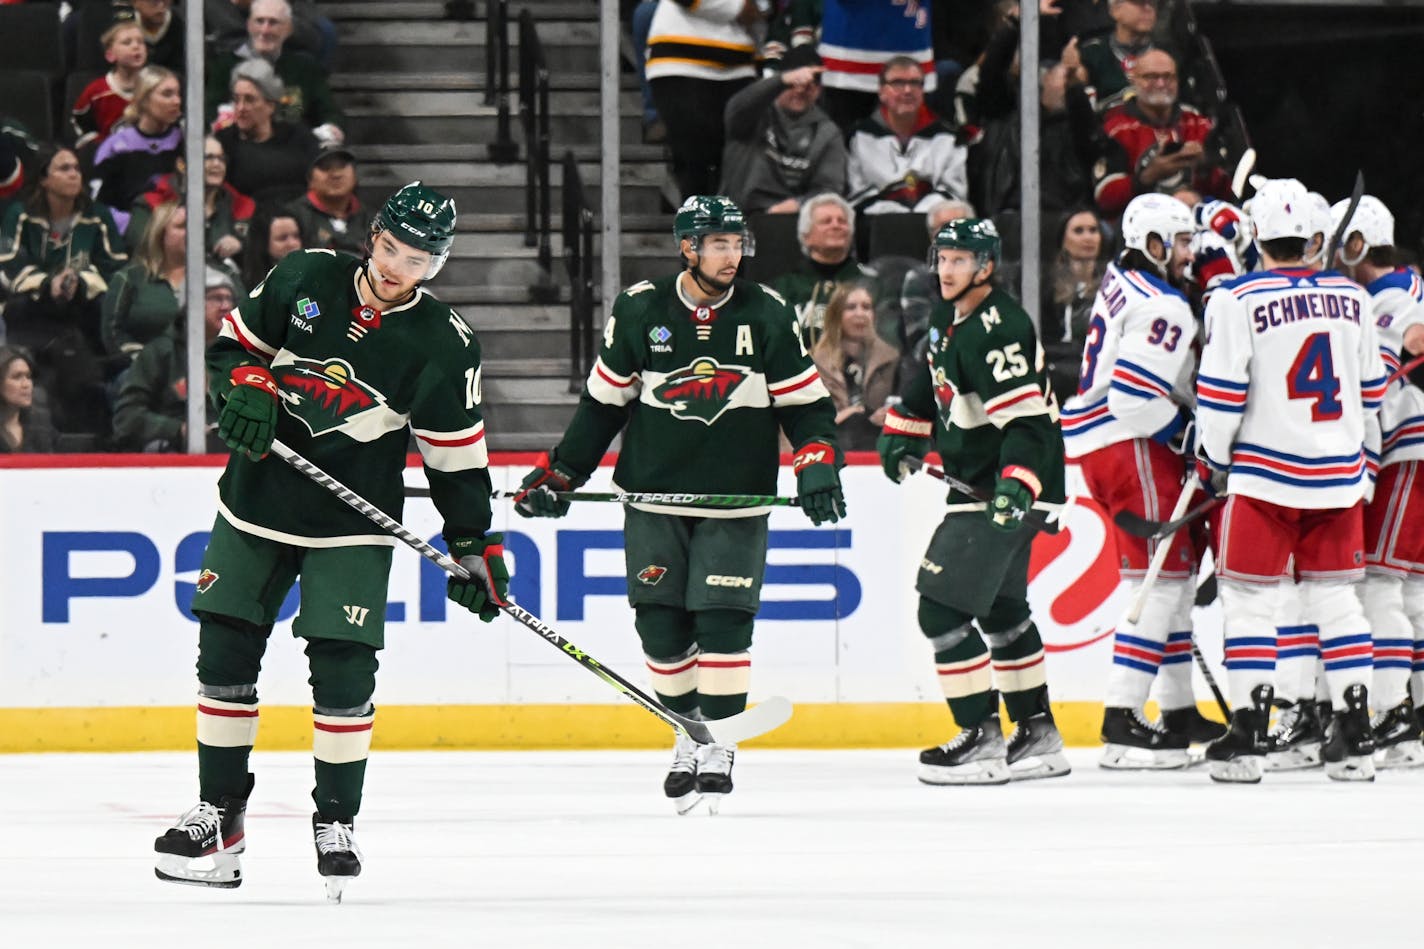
[825,849]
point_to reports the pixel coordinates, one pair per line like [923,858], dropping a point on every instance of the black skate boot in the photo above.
[338,859]
[202,848]
[1349,747]
[681,782]
[1397,737]
[1191,724]
[1132,743]
[1294,742]
[1035,750]
[1236,757]
[975,756]
[714,774]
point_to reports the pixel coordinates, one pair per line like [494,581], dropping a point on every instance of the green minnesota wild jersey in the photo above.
[353,384]
[703,390]
[988,391]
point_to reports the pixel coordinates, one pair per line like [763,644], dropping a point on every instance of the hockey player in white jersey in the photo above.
[1129,428]
[1290,370]
[1393,592]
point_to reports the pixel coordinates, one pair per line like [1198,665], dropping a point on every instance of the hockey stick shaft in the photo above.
[1338,238]
[1404,370]
[1159,557]
[1210,680]
[1141,527]
[647,497]
[701,732]
[1030,518]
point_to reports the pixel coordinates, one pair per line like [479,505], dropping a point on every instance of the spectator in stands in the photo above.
[227,211]
[826,229]
[151,410]
[306,97]
[1155,143]
[781,148]
[312,33]
[1075,268]
[24,426]
[1111,59]
[146,143]
[330,214]
[699,56]
[902,158]
[162,33]
[857,366]
[858,40]
[275,234]
[790,23]
[58,252]
[267,158]
[15,144]
[101,105]
[641,24]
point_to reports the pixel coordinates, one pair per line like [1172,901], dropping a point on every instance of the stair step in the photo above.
[520,426]
[589,154]
[545,367]
[660,224]
[463,80]
[478,126]
[552,32]
[441,102]
[533,317]
[471,175]
[524,441]
[406,11]
[461,295]
[529,391]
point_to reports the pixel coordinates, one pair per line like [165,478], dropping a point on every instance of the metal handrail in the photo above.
[579,261]
[503,150]
[534,119]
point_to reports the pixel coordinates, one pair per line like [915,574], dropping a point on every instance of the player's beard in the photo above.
[710,285]
[373,283]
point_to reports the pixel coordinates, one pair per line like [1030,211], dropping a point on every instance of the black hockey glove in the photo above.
[248,422]
[537,497]
[902,436]
[818,483]
[1213,479]
[1013,497]
[488,587]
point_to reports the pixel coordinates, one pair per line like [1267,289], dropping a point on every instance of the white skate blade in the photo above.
[1357,768]
[686,803]
[223,870]
[714,802]
[1298,758]
[761,718]
[1031,768]
[1128,758]
[1243,770]
[335,886]
[983,771]
[1406,754]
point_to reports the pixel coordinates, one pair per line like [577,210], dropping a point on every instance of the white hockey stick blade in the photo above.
[1244,167]
[761,718]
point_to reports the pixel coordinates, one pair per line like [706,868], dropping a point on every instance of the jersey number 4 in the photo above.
[1312,376]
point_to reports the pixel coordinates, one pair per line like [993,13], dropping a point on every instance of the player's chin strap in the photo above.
[972,286]
[707,284]
[366,268]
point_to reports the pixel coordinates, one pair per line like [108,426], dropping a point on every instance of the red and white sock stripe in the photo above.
[1019,675]
[724,673]
[674,677]
[342,739]
[966,677]
[226,724]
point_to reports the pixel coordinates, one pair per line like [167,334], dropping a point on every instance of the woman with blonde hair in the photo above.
[857,366]
[146,143]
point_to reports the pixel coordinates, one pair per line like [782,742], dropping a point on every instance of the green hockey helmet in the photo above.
[421,217]
[711,214]
[975,234]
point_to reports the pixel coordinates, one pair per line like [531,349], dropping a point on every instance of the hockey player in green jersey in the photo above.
[704,370]
[986,405]
[344,360]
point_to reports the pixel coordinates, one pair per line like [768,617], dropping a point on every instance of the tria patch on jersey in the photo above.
[702,391]
[206,579]
[324,395]
[658,338]
[651,574]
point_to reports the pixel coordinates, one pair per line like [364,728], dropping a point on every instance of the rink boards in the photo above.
[97,646]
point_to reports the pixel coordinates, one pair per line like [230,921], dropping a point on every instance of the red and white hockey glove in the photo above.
[538,495]
[248,421]
[818,483]
[903,436]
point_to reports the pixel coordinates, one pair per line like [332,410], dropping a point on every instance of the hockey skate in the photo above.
[1397,738]
[1349,747]
[202,848]
[681,782]
[1294,743]
[1237,756]
[714,774]
[1035,750]
[975,756]
[338,859]
[1192,725]
[1132,743]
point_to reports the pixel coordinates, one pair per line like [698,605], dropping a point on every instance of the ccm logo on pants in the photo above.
[717,580]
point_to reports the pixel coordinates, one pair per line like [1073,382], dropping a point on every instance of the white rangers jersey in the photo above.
[1290,371]
[1398,299]
[1138,361]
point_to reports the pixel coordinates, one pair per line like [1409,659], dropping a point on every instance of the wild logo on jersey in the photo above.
[701,391]
[324,395]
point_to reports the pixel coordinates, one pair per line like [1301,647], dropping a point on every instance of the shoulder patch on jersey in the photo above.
[461,327]
[642,286]
[772,293]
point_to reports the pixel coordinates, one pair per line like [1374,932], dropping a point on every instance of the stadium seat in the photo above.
[30,39]
[26,96]
[778,250]
[897,235]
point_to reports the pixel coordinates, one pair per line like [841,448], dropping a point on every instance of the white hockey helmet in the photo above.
[1319,210]
[1371,220]
[1282,208]
[1159,214]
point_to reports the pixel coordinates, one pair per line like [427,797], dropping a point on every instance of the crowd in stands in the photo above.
[906,115]
[93,275]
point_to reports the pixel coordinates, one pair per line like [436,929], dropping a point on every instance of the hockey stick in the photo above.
[1242,175]
[1139,526]
[1404,370]
[1338,237]
[911,463]
[771,713]
[647,497]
